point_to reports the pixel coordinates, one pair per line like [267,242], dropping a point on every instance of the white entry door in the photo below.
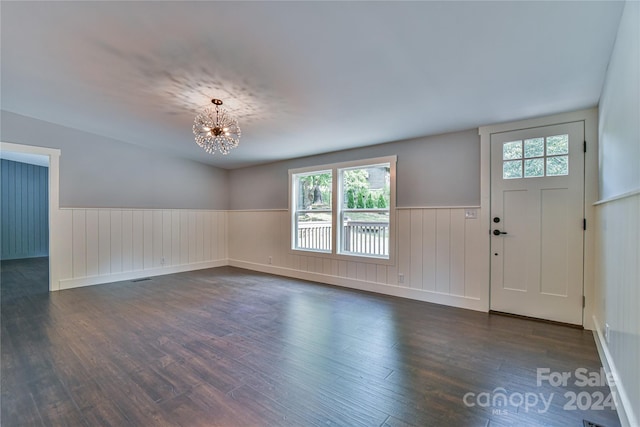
[537,214]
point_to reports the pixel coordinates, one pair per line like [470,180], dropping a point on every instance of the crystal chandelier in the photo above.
[215,129]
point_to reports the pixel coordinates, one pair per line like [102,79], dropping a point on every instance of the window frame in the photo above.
[337,213]
[293,206]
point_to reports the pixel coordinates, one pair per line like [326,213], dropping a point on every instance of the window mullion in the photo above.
[335,197]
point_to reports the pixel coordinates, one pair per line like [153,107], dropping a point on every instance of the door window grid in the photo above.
[536,157]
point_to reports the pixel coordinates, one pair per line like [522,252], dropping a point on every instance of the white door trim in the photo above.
[590,118]
[55,241]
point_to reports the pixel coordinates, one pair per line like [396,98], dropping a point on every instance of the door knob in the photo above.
[498,232]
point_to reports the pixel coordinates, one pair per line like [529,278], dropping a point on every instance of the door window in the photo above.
[536,157]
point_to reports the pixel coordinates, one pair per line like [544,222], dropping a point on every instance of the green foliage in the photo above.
[382,202]
[369,203]
[361,200]
[321,180]
[351,200]
[326,196]
[355,179]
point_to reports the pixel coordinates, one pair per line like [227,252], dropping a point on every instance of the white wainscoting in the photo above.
[442,255]
[618,296]
[108,245]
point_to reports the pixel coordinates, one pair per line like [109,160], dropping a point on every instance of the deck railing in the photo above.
[359,237]
[314,235]
[366,238]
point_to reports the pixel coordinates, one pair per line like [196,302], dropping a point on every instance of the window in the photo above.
[344,209]
[313,210]
[536,157]
[364,210]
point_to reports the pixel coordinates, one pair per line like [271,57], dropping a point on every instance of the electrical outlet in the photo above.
[270,260]
[471,214]
[606,332]
[400,277]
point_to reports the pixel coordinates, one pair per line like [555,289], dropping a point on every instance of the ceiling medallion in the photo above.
[216,130]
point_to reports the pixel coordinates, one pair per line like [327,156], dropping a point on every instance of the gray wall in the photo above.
[620,111]
[24,204]
[441,170]
[101,172]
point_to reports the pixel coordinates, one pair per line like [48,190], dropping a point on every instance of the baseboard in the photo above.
[381,288]
[17,257]
[416,294]
[537,319]
[621,399]
[138,274]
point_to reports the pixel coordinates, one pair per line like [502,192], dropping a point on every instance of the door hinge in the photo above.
[585,146]
[584,301]
[584,223]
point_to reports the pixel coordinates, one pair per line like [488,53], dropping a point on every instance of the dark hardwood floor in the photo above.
[23,278]
[231,347]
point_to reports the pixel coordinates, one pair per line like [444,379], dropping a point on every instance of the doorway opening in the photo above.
[29,210]
[24,222]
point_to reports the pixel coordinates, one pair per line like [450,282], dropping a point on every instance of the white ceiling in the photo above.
[302,77]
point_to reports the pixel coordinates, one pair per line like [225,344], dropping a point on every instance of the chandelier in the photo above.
[215,129]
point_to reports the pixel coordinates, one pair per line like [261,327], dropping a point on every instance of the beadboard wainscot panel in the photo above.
[617,291]
[90,239]
[157,237]
[108,245]
[441,256]
[115,243]
[104,242]
[138,240]
[79,259]
[65,233]
[127,240]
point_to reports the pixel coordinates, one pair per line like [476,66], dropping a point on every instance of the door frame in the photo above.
[55,242]
[590,119]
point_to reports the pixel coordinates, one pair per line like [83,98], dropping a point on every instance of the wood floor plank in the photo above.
[134,402]
[266,410]
[231,347]
[55,406]
[95,405]
[222,410]
[18,407]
